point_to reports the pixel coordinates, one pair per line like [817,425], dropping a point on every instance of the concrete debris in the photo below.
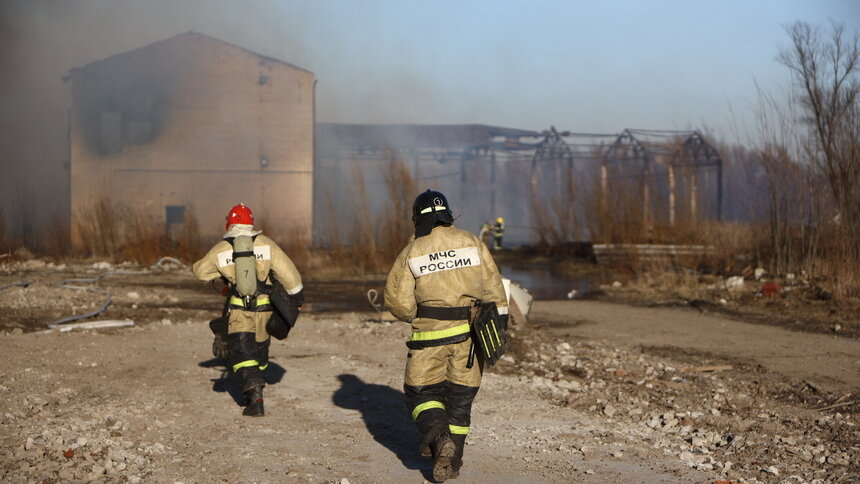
[34,264]
[714,423]
[734,282]
[68,446]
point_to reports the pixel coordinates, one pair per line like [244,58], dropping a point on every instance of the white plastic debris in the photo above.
[734,282]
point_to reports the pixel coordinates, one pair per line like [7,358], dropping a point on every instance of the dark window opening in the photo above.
[175,220]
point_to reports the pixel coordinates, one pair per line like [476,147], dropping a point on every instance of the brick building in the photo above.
[189,126]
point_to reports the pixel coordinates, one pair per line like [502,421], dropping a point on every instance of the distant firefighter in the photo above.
[265,294]
[441,283]
[498,233]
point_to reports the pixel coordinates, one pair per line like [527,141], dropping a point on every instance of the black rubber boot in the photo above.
[425,450]
[457,461]
[444,450]
[431,424]
[255,403]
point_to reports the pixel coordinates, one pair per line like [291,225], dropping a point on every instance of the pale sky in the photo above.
[586,66]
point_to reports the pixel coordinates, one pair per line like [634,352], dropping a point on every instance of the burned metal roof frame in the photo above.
[434,136]
[646,145]
[175,38]
[671,148]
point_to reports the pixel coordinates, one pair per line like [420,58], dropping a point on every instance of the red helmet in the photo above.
[240,214]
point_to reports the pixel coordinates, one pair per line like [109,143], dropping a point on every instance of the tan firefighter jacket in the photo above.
[447,268]
[269,258]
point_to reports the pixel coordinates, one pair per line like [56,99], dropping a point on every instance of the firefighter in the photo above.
[498,233]
[251,271]
[432,285]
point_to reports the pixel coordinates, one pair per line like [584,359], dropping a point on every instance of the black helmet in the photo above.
[429,210]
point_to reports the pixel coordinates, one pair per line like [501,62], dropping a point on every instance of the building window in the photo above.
[175,220]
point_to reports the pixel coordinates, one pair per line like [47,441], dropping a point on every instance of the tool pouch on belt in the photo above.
[286,311]
[487,332]
[219,325]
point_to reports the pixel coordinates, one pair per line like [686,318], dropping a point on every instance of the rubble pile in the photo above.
[32,292]
[731,419]
[63,442]
[59,299]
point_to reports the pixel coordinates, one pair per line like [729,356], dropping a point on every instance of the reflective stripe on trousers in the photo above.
[249,363]
[426,406]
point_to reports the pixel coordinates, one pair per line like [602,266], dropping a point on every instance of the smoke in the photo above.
[368,70]
[42,40]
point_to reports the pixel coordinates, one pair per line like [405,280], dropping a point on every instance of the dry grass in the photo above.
[5,244]
[22,215]
[56,241]
[119,233]
[368,243]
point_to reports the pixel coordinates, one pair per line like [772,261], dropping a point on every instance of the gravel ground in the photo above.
[713,413]
[566,404]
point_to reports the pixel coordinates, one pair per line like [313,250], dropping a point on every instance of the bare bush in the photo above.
[810,151]
[825,67]
[370,238]
[397,227]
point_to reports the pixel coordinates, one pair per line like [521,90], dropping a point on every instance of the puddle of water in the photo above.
[338,296]
[543,282]
[540,279]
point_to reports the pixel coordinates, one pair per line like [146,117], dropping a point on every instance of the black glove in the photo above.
[219,347]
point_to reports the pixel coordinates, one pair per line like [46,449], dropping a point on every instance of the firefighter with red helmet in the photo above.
[253,265]
[434,285]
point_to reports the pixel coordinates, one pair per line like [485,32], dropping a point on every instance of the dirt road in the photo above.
[827,361]
[154,401]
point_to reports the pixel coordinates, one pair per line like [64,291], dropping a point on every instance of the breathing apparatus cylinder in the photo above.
[246,265]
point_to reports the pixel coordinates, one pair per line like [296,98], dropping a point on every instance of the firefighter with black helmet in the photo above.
[433,285]
[253,265]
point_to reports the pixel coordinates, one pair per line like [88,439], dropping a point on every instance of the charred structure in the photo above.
[552,186]
[470,163]
[184,128]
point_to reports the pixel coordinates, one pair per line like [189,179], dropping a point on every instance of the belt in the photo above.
[444,313]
